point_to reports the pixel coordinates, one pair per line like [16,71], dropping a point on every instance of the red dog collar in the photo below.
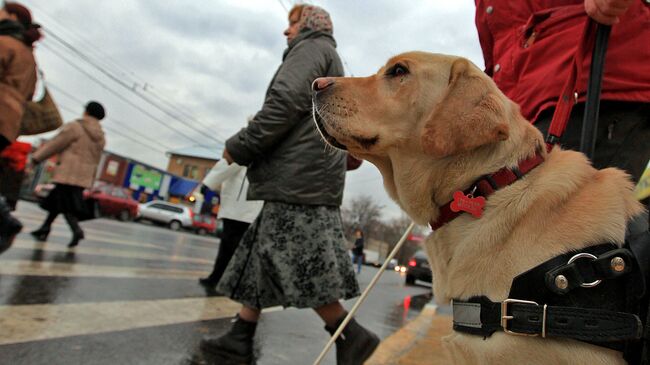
[487,185]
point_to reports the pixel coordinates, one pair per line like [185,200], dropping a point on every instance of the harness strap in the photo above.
[601,298]
[480,316]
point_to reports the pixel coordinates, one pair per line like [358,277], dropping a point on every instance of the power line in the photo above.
[117,94]
[124,84]
[114,131]
[283,6]
[104,57]
[136,80]
[111,119]
[58,89]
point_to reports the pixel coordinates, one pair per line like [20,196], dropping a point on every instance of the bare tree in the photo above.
[363,212]
[393,229]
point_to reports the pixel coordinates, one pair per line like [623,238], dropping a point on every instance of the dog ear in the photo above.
[470,114]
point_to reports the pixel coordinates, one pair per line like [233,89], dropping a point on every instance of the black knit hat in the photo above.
[95,109]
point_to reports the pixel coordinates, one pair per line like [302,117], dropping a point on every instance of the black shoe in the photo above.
[236,346]
[76,237]
[355,344]
[9,226]
[208,283]
[41,234]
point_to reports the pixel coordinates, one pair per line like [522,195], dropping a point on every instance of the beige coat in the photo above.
[80,144]
[17,82]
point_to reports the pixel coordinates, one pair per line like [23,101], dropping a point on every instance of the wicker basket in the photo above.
[40,116]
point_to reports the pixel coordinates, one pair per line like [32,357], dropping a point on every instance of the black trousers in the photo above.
[71,219]
[232,233]
[622,138]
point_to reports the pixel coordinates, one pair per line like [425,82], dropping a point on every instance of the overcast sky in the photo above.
[209,62]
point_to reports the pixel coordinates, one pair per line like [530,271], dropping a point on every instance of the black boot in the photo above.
[76,237]
[77,232]
[355,344]
[41,234]
[9,226]
[236,346]
[208,282]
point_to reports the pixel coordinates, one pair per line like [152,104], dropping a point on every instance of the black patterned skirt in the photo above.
[293,256]
[65,199]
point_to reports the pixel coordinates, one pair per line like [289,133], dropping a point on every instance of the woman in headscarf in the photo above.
[294,253]
[17,83]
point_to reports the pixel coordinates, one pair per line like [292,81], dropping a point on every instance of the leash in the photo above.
[364,295]
[594,36]
[592,104]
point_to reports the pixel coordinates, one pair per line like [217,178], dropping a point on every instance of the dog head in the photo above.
[427,121]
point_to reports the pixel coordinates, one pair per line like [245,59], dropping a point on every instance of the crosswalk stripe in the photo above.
[24,323]
[26,267]
[37,220]
[134,243]
[110,252]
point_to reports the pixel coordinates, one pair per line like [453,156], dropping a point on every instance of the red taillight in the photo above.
[412,263]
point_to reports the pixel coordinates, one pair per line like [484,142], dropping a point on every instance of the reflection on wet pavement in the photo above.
[129,295]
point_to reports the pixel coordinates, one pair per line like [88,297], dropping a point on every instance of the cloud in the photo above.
[213,59]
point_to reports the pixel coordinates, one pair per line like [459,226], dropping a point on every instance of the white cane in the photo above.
[363,296]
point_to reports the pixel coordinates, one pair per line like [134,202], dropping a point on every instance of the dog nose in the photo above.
[321,83]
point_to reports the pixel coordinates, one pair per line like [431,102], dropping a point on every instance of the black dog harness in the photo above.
[596,295]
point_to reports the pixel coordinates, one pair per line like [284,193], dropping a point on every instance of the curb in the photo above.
[418,342]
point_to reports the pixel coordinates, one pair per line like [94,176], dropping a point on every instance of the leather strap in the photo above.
[489,184]
[607,314]
[525,318]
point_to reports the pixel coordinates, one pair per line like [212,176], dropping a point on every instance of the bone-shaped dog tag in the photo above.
[468,203]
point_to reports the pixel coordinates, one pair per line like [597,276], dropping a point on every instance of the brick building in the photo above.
[193,162]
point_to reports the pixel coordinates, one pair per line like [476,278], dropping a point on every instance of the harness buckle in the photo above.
[505,318]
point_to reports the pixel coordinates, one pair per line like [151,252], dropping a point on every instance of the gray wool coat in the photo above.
[287,159]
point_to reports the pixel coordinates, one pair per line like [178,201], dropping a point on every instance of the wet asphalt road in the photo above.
[128,295]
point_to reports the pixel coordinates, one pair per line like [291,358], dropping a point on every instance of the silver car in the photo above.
[175,216]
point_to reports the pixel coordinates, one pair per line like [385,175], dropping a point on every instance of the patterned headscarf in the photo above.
[315,18]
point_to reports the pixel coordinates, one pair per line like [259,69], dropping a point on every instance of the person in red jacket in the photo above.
[529,45]
[17,80]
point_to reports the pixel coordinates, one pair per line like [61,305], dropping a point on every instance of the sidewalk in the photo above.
[419,342]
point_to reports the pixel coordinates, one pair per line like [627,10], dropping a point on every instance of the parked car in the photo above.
[418,269]
[175,216]
[113,201]
[204,224]
[108,200]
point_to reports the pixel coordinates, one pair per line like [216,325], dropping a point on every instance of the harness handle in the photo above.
[594,36]
[592,104]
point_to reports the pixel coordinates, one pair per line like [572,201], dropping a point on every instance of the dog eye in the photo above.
[397,70]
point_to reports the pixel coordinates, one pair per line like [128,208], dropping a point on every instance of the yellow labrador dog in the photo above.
[434,124]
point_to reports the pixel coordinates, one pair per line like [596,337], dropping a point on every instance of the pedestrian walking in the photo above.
[235,211]
[294,254]
[17,83]
[79,145]
[357,250]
